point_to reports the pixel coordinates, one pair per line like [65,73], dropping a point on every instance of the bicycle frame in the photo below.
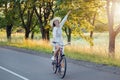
[60,54]
[58,65]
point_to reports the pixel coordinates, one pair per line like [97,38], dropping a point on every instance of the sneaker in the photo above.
[52,58]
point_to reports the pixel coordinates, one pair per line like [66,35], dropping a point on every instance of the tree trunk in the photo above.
[91,34]
[32,35]
[27,32]
[47,35]
[69,36]
[112,44]
[93,23]
[8,31]
[43,32]
[112,34]
[68,33]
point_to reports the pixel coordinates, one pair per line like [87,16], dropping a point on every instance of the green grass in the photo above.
[94,58]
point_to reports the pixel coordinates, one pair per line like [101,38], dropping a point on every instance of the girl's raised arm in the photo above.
[64,19]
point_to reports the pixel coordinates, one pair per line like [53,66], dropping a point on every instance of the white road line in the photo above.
[5,69]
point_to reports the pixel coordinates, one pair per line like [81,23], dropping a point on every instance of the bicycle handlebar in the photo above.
[66,44]
[62,44]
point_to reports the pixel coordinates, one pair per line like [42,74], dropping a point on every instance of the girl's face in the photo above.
[56,22]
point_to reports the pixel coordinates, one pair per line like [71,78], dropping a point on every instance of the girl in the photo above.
[57,25]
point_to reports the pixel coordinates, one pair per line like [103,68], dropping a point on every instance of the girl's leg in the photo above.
[56,51]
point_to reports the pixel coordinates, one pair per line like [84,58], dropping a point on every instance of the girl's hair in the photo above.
[54,24]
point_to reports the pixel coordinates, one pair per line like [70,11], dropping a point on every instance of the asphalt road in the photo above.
[16,65]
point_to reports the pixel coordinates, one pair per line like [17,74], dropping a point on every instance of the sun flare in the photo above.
[117,13]
[117,9]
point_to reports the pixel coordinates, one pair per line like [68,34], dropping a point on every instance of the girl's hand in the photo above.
[69,12]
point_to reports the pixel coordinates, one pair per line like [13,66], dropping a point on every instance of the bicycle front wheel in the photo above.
[62,68]
[54,67]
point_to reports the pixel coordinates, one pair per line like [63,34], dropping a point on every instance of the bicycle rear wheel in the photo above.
[62,68]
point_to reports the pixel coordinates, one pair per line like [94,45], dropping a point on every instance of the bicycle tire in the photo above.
[54,68]
[62,73]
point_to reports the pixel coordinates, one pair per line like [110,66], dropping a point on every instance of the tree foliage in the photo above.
[39,12]
[8,11]
[83,15]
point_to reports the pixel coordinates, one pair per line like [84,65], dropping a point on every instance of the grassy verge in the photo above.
[70,51]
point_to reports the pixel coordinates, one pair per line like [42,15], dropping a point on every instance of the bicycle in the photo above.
[60,64]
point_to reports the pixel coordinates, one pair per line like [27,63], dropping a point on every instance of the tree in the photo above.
[112,32]
[9,17]
[44,11]
[90,9]
[26,11]
[8,9]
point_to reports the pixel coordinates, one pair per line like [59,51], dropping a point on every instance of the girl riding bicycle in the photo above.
[57,25]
